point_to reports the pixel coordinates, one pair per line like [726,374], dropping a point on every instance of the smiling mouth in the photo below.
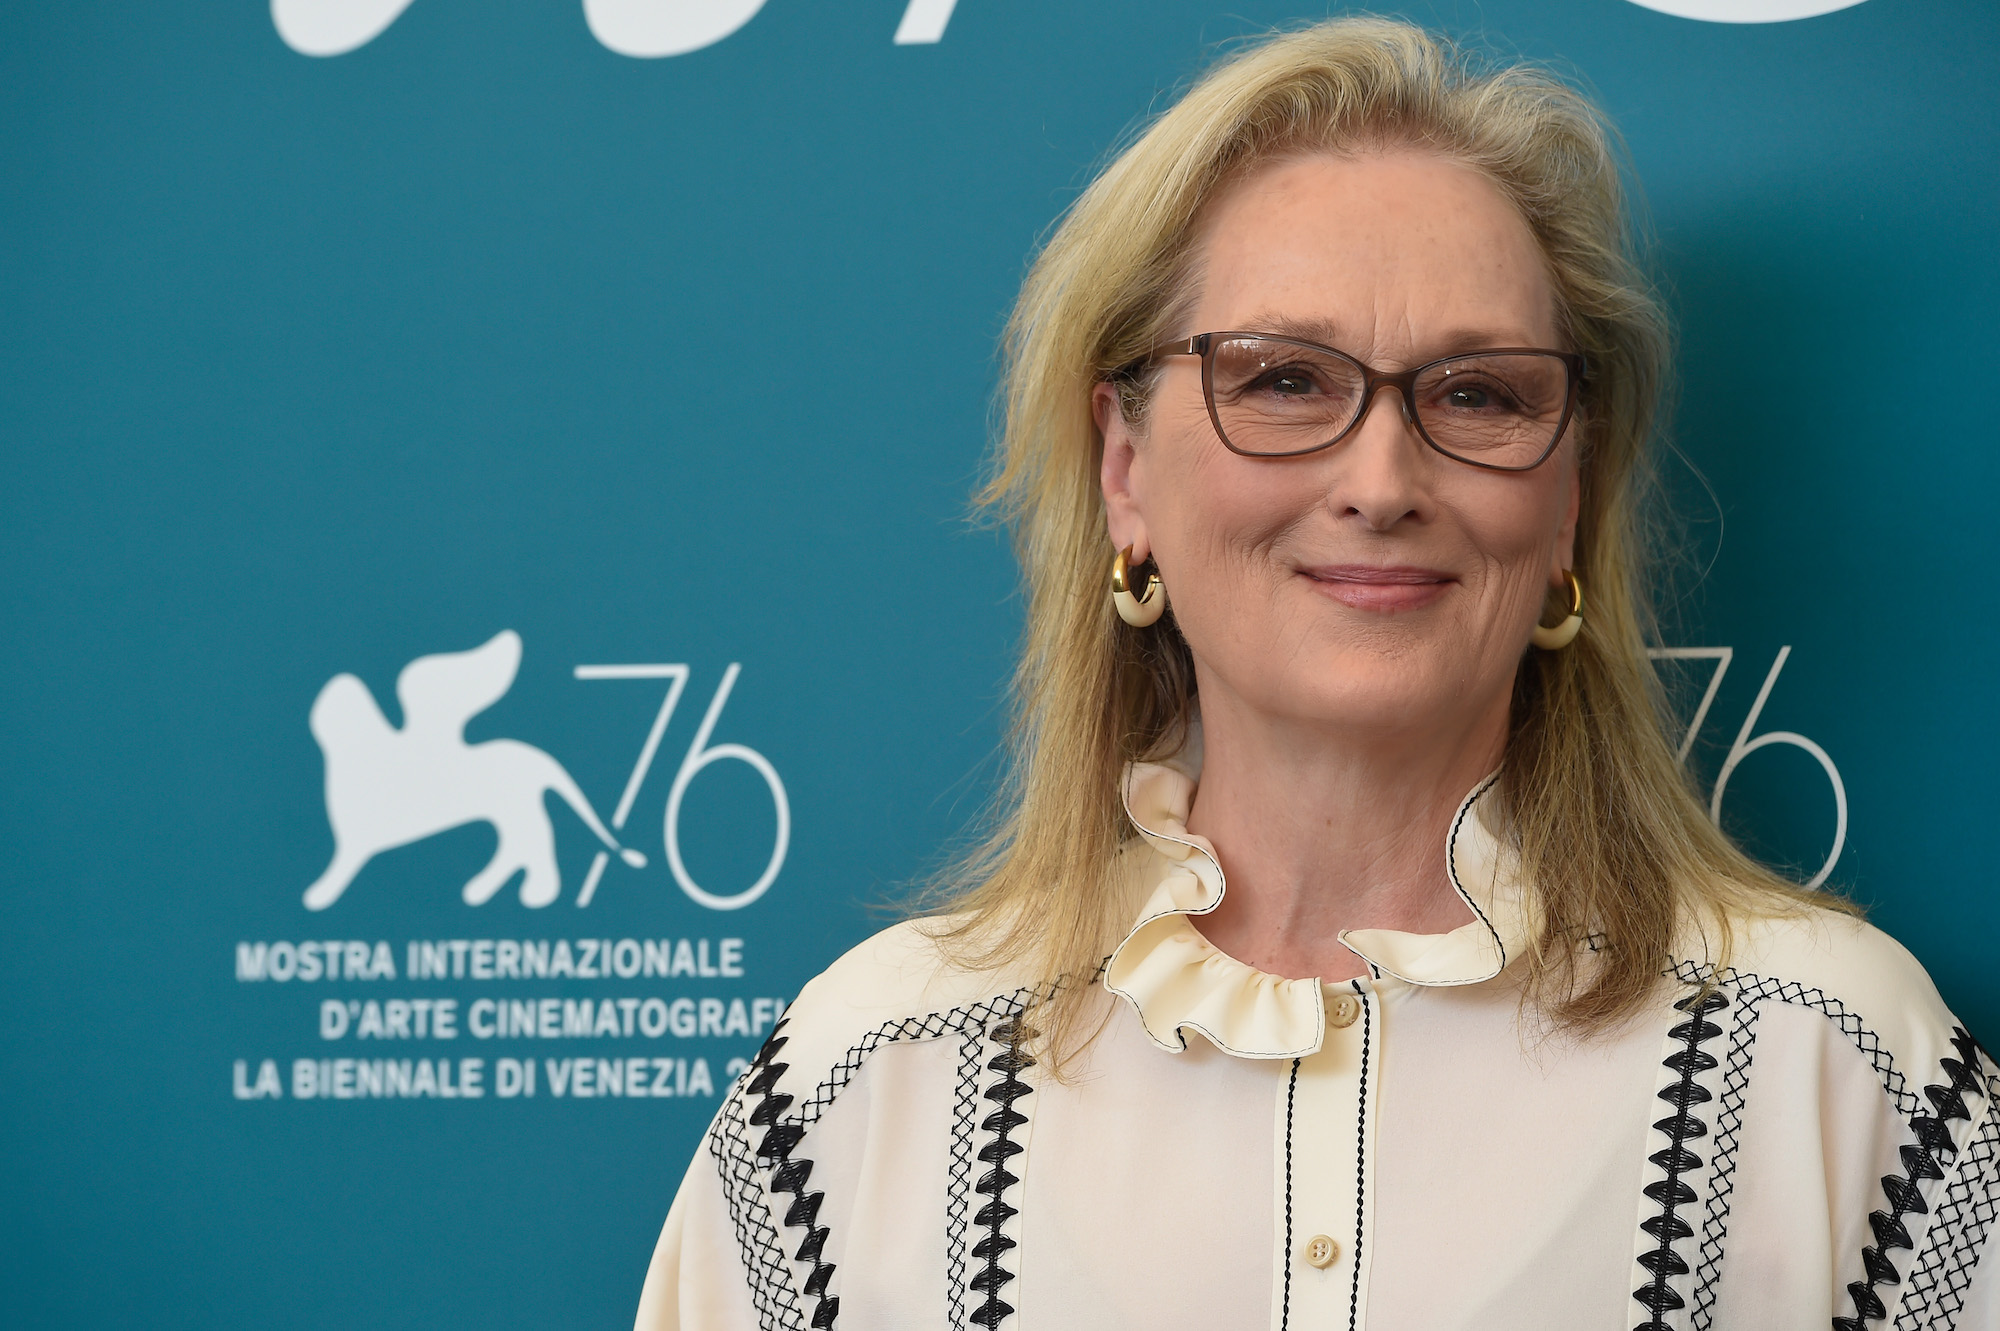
[1381,589]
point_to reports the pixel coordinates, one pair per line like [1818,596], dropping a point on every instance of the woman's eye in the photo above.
[1475,396]
[1288,383]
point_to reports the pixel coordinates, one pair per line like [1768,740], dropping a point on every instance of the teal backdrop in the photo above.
[653,344]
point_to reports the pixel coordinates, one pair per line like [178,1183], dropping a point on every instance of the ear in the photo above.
[1565,551]
[1123,518]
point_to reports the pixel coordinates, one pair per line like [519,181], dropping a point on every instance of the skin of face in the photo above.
[1376,589]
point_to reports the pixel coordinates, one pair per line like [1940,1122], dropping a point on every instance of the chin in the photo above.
[1362,689]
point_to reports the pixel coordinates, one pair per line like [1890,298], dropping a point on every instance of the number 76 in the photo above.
[699,755]
[1745,745]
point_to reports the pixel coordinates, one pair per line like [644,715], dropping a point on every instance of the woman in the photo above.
[1353,952]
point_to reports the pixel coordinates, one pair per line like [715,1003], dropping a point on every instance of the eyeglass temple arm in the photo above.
[1191,346]
[1187,346]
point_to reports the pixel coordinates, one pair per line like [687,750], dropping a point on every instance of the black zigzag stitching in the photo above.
[1925,1160]
[993,1185]
[957,1021]
[790,1175]
[778,1307]
[1722,1164]
[776,1303]
[1964,1216]
[1749,987]
[1658,1295]
[958,1178]
[1938,1283]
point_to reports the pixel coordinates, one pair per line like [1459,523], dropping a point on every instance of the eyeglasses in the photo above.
[1277,397]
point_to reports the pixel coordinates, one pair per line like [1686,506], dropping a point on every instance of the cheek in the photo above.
[1202,502]
[1225,518]
[1514,526]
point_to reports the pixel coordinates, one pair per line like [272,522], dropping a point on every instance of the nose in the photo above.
[1380,476]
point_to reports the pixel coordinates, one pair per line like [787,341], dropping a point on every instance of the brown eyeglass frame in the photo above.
[1372,382]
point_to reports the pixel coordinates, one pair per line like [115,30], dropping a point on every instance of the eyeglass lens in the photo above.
[1499,409]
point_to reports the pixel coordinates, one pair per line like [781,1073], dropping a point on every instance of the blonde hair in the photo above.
[1613,840]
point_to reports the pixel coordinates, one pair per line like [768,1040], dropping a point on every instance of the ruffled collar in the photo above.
[1178,981]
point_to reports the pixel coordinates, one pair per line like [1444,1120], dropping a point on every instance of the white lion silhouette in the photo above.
[387,787]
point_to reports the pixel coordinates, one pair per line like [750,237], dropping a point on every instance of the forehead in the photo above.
[1391,253]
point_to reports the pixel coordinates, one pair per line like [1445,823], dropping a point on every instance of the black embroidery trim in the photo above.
[1657,1295]
[1749,987]
[772,1292]
[970,1019]
[994,1184]
[790,1175]
[1360,1165]
[1291,1099]
[1965,1213]
[1923,1161]
[1722,1163]
[1951,1250]
[958,1179]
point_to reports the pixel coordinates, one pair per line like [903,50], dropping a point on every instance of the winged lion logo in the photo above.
[388,786]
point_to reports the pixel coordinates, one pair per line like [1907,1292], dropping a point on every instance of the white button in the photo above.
[1342,1010]
[1321,1251]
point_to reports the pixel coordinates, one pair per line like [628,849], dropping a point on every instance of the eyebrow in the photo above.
[1327,333]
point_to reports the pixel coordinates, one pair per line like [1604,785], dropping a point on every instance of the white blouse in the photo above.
[1814,1143]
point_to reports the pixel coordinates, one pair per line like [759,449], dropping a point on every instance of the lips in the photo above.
[1381,588]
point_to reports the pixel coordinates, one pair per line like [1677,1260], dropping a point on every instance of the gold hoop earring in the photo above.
[1563,634]
[1139,611]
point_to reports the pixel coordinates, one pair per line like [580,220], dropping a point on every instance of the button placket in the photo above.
[1331,1147]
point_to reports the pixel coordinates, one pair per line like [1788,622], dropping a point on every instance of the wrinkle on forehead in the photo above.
[1439,251]
[1438,342]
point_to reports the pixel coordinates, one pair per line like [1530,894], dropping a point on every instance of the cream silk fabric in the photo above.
[1815,1145]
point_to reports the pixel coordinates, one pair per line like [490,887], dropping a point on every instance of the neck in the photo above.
[1321,829]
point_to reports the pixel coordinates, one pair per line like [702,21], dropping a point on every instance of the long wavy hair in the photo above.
[1614,842]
